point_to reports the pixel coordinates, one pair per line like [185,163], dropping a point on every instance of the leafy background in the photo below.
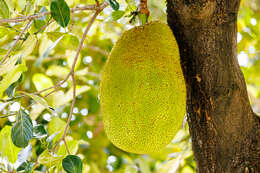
[44,55]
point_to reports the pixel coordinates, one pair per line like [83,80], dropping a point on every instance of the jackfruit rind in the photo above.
[143,93]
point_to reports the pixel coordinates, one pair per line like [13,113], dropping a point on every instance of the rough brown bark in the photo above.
[225,132]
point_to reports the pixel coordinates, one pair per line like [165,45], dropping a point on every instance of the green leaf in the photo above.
[73,146]
[143,18]
[45,54]
[29,45]
[22,131]
[117,14]
[130,169]
[41,82]
[26,166]
[60,12]
[4,31]
[69,94]
[114,4]
[70,59]
[11,89]
[11,77]
[38,99]
[70,41]
[4,10]
[72,164]
[56,125]
[8,65]
[53,36]
[23,155]
[144,166]
[7,148]
[48,159]
[58,71]
[39,132]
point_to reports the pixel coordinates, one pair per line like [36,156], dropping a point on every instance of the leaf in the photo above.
[26,166]
[72,164]
[4,31]
[8,65]
[117,14]
[4,10]
[22,131]
[38,99]
[11,77]
[48,159]
[53,36]
[11,89]
[45,54]
[73,146]
[70,41]
[41,82]
[50,138]
[60,12]
[69,95]
[23,156]
[7,148]
[130,169]
[58,71]
[170,165]
[144,166]
[143,18]
[70,59]
[39,132]
[56,125]
[28,45]
[40,22]
[114,4]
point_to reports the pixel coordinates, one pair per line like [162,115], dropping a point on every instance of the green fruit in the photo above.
[143,93]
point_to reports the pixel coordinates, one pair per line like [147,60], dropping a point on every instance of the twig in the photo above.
[67,148]
[73,76]
[97,49]
[16,41]
[57,86]
[42,28]
[11,99]
[5,116]
[35,16]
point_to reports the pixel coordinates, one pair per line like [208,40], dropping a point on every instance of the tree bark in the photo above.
[225,132]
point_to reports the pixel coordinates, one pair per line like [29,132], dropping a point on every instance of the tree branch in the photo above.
[35,16]
[16,41]
[73,76]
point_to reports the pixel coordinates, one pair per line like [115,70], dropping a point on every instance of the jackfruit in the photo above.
[142,92]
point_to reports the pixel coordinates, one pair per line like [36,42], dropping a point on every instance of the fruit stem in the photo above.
[143,12]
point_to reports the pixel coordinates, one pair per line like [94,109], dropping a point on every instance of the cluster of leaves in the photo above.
[32,121]
[249,48]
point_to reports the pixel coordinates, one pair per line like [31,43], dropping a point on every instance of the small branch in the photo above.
[73,77]
[11,99]
[5,116]
[16,41]
[35,16]
[42,28]
[57,86]
[67,148]
[97,49]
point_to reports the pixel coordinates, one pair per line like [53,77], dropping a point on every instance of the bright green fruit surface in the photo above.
[143,94]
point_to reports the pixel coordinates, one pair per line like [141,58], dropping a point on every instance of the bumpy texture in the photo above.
[143,94]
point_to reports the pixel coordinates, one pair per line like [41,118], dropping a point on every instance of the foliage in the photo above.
[39,52]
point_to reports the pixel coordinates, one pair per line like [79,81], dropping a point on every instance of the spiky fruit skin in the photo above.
[143,93]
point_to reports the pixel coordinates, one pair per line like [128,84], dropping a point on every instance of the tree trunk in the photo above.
[225,132]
